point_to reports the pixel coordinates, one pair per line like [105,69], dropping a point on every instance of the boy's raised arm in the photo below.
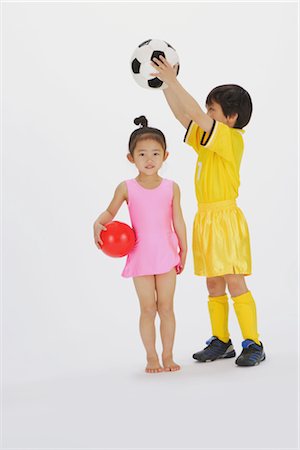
[176,108]
[191,107]
[185,102]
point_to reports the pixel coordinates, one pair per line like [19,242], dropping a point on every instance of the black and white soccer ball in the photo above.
[141,62]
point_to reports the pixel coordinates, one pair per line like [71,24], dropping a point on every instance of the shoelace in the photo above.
[214,343]
[253,351]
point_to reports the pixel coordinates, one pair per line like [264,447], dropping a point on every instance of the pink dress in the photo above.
[156,249]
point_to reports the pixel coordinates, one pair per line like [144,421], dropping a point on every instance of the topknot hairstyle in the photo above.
[232,99]
[141,121]
[145,132]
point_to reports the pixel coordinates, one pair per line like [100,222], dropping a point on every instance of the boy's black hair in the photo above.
[232,99]
[145,132]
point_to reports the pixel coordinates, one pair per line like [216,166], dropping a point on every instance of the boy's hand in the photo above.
[165,72]
[98,227]
[180,267]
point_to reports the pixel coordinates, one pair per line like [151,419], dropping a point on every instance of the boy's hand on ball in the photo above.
[165,72]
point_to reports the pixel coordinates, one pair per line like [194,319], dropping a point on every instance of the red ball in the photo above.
[118,239]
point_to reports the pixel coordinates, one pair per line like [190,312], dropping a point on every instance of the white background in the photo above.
[72,357]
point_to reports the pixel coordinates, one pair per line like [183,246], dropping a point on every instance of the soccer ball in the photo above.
[142,57]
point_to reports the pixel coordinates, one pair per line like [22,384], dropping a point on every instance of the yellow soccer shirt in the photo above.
[219,152]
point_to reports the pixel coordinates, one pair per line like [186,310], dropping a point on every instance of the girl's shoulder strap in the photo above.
[129,182]
[168,187]
[168,182]
[132,185]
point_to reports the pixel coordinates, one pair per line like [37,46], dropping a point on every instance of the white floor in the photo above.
[212,405]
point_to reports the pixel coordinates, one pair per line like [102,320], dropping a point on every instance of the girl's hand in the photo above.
[98,227]
[180,267]
[165,72]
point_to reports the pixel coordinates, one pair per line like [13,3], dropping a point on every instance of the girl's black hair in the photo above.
[232,99]
[145,132]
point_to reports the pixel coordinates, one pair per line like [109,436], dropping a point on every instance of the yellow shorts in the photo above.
[221,243]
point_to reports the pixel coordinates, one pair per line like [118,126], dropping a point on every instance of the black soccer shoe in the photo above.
[252,354]
[215,349]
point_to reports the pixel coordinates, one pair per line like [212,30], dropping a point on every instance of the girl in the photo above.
[156,216]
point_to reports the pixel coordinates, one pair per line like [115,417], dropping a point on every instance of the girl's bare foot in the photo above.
[169,364]
[153,365]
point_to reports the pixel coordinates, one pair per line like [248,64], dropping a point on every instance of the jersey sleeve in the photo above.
[193,136]
[218,140]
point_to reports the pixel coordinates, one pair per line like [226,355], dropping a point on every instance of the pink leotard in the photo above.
[156,249]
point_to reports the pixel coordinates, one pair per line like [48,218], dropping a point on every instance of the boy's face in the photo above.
[214,111]
[148,156]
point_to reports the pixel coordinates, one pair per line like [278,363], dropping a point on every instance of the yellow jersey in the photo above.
[217,175]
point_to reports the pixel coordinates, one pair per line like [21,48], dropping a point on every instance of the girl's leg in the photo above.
[145,288]
[244,306]
[165,288]
[218,307]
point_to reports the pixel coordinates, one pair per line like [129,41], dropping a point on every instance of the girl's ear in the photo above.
[166,155]
[130,158]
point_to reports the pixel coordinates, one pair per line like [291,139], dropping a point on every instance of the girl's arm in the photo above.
[109,214]
[179,227]
[185,101]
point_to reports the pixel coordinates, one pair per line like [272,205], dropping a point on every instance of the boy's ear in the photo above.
[231,120]
[166,155]
[130,158]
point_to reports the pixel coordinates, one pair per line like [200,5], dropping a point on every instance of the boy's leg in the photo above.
[245,309]
[244,306]
[145,288]
[219,345]
[218,307]
[165,288]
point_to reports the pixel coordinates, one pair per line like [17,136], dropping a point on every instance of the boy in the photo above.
[221,244]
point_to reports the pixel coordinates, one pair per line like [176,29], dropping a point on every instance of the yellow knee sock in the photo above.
[245,309]
[218,311]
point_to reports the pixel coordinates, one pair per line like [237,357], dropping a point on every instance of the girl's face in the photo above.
[148,156]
